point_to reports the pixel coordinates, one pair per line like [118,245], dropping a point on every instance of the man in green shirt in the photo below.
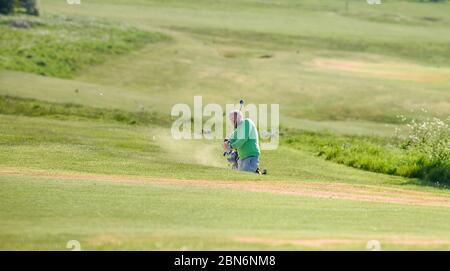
[245,139]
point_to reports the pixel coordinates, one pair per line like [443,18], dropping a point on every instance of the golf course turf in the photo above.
[86,151]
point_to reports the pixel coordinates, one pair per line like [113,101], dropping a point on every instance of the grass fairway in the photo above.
[144,216]
[86,152]
[312,205]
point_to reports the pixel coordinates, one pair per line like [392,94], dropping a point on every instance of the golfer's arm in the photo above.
[235,141]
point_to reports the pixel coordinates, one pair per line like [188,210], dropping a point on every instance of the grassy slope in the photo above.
[160,75]
[376,154]
[58,46]
[88,146]
[229,67]
[130,216]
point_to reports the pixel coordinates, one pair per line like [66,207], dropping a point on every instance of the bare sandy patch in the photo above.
[388,70]
[294,242]
[340,191]
[356,241]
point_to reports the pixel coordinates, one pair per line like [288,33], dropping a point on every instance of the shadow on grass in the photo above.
[434,175]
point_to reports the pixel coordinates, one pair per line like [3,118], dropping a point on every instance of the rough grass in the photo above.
[223,63]
[116,148]
[62,46]
[34,108]
[429,52]
[376,154]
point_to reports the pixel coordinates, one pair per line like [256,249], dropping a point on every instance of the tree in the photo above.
[12,6]
[6,6]
[30,7]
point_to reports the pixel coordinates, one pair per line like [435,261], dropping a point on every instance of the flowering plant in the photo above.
[430,137]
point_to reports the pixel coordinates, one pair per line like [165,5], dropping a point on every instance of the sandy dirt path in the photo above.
[341,191]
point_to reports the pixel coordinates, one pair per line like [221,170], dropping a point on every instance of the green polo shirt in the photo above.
[245,139]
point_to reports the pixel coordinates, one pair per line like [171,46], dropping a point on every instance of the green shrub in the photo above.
[61,47]
[30,7]
[34,108]
[6,6]
[11,6]
[376,154]
[430,138]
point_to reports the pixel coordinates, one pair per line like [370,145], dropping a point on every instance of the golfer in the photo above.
[245,139]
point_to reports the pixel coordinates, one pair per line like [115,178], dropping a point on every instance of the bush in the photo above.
[430,138]
[11,6]
[61,46]
[6,6]
[438,174]
[30,7]
[34,108]
[376,154]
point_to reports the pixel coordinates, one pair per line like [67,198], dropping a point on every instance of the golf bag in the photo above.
[232,158]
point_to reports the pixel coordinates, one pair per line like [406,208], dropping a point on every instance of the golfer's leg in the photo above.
[249,164]
[254,164]
[241,164]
